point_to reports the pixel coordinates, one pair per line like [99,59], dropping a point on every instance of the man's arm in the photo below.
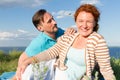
[22,58]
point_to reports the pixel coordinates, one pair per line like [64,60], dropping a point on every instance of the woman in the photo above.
[78,54]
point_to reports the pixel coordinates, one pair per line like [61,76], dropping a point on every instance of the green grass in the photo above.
[8,62]
[116,67]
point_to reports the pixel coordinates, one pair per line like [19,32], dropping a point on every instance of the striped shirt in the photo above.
[96,52]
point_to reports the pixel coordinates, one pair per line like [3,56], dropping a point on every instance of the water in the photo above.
[7,49]
[114,51]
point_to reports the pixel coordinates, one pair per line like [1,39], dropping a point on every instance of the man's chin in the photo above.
[55,28]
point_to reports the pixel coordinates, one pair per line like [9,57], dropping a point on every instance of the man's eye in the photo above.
[49,21]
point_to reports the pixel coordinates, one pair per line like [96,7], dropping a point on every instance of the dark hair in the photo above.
[38,17]
[90,9]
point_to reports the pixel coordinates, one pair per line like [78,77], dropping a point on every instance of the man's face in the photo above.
[49,25]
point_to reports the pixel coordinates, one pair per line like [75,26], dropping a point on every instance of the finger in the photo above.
[23,69]
[17,78]
[72,31]
[18,75]
[68,31]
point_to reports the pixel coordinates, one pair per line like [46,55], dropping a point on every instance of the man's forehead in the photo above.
[47,16]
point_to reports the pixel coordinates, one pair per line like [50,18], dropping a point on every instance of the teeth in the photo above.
[83,29]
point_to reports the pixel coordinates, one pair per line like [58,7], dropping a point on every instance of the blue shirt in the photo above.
[76,63]
[41,43]
[76,67]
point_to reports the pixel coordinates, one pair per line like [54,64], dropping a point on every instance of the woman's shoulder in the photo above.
[94,39]
[96,35]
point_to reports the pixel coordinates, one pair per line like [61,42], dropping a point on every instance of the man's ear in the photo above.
[40,28]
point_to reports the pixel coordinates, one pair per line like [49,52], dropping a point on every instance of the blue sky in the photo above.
[16,28]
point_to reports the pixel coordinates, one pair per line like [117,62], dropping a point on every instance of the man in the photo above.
[49,32]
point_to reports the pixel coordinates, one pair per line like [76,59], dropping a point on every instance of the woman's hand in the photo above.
[22,67]
[70,31]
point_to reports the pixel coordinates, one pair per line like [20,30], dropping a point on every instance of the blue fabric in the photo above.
[76,64]
[7,75]
[37,45]
[41,43]
[59,32]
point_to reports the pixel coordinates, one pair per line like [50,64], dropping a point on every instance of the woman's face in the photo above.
[85,23]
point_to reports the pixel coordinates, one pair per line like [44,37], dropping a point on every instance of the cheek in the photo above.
[92,27]
[78,25]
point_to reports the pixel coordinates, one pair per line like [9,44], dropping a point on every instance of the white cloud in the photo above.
[94,2]
[7,35]
[19,35]
[28,3]
[22,31]
[63,13]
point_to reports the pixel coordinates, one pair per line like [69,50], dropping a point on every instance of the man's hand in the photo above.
[22,67]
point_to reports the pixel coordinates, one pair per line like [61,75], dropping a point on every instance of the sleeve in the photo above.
[50,53]
[34,47]
[103,59]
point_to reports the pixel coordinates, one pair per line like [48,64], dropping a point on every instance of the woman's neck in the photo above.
[80,42]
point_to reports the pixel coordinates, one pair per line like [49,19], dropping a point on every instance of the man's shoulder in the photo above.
[41,36]
[35,45]
[39,40]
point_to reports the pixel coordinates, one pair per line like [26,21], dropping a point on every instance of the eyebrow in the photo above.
[50,19]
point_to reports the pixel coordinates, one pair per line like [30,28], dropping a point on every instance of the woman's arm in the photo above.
[103,59]
[51,53]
